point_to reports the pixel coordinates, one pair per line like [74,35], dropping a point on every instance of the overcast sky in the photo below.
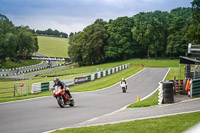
[74,15]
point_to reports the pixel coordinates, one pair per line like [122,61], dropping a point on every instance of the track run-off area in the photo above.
[43,114]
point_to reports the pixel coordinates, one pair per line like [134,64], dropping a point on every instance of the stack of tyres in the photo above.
[168,94]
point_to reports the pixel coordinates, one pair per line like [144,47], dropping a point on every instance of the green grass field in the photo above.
[169,124]
[11,64]
[133,62]
[135,66]
[53,47]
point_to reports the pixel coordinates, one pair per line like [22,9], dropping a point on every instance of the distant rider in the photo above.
[124,81]
[59,83]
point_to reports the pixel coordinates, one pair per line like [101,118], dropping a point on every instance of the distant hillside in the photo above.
[50,32]
[53,46]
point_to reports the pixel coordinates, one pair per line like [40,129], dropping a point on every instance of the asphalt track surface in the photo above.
[44,114]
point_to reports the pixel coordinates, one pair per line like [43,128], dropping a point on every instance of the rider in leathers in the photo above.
[59,83]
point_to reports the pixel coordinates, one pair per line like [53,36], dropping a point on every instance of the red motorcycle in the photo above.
[62,98]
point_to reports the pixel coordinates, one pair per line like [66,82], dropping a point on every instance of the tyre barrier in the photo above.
[168,94]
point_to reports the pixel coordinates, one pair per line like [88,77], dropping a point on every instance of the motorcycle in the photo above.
[124,87]
[62,98]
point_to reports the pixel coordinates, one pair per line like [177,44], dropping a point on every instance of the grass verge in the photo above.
[169,124]
[151,101]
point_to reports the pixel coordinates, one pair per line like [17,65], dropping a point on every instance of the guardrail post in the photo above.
[14,90]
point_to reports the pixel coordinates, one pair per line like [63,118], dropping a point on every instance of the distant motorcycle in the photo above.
[124,87]
[62,98]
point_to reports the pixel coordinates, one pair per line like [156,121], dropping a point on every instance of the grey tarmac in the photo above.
[44,114]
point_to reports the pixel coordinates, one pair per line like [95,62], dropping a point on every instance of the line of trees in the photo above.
[16,41]
[50,32]
[145,35]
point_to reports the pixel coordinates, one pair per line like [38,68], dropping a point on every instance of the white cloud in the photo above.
[61,23]
[73,16]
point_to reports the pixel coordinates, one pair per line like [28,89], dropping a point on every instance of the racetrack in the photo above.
[43,114]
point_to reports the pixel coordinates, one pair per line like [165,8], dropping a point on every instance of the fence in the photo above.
[18,89]
[40,87]
[195,88]
[5,92]
[21,89]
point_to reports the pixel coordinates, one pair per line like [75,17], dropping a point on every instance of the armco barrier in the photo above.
[92,77]
[45,86]
[81,80]
[99,75]
[36,88]
[195,88]
[69,82]
[89,77]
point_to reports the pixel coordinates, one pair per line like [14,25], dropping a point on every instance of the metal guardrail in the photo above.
[45,86]
[193,48]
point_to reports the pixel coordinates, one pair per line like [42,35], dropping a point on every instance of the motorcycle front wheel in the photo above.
[61,102]
[71,103]
[123,89]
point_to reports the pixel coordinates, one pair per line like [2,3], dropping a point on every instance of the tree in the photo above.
[86,47]
[75,46]
[140,31]
[150,31]
[120,44]
[179,20]
[26,45]
[193,33]
[6,37]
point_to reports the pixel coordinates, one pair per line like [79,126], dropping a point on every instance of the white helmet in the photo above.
[123,79]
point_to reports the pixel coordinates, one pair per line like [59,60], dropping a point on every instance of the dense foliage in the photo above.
[193,33]
[15,41]
[87,47]
[50,32]
[145,35]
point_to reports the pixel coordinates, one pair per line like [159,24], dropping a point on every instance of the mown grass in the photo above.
[11,64]
[152,100]
[134,62]
[169,124]
[53,47]
[174,71]
[135,65]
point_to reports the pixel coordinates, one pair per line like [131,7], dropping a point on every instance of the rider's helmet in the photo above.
[123,79]
[56,79]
